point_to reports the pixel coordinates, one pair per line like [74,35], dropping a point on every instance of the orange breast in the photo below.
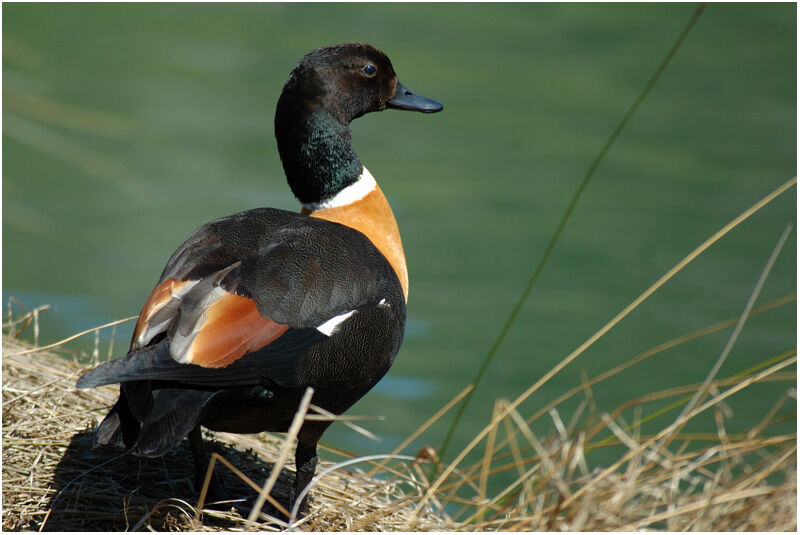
[373,217]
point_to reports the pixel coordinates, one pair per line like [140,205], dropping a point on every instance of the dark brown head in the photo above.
[330,87]
[349,80]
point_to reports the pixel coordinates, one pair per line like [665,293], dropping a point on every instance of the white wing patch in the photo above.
[329,327]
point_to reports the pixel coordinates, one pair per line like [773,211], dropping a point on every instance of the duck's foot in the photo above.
[306,462]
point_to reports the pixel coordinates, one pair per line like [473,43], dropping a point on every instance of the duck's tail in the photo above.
[174,413]
[145,420]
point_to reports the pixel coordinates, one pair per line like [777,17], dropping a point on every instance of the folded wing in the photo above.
[227,314]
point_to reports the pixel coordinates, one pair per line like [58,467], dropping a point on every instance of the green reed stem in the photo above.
[567,213]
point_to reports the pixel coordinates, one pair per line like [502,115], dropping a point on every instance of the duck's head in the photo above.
[348,81]
[330,87]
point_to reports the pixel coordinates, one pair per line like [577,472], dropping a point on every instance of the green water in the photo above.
[127,126]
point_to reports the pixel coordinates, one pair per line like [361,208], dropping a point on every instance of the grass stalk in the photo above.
[740,324]
[71,338]
[641,357]
[668,430]
[565,217]
[613,322]
[291,434]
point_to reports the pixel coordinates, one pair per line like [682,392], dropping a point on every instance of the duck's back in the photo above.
[299,270]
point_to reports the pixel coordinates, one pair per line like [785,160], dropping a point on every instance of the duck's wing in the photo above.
[243,297]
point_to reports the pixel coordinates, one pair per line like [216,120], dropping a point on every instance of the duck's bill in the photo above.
[406,100]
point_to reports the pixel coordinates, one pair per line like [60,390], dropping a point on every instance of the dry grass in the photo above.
[53,480]
[670,480]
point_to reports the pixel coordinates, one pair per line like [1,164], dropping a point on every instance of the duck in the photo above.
[254,308]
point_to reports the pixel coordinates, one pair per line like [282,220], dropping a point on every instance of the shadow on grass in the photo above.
[107,490]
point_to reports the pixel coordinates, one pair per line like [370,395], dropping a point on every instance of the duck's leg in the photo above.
[201,462]
[306,463]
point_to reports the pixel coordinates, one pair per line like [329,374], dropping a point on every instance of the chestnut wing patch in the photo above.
[206,324]
[225,330]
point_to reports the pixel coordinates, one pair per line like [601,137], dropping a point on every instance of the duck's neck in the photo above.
[363,206]
[316,151]
[327,177]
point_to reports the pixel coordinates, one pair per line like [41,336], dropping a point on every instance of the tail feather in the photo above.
[127,368]
[175,413]
[139,398]
[120,428]
[109,432]
[145,420]
[151,423]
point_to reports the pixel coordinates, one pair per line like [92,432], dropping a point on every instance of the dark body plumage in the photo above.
[253,308]
[270,246]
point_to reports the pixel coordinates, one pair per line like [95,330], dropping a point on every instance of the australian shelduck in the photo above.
[253,308]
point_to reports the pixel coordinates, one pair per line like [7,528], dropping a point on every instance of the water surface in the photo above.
[127,126]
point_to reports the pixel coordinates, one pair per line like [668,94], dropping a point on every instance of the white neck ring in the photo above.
[352,193]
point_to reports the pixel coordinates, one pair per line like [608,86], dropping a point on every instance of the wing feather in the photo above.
[231,328]
[272,364]
[241,299]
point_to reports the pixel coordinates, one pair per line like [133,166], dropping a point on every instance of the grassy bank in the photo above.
[664,479]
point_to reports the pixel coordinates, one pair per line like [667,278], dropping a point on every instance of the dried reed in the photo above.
[53,480]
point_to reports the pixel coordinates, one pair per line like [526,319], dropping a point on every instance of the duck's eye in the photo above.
[369,70]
